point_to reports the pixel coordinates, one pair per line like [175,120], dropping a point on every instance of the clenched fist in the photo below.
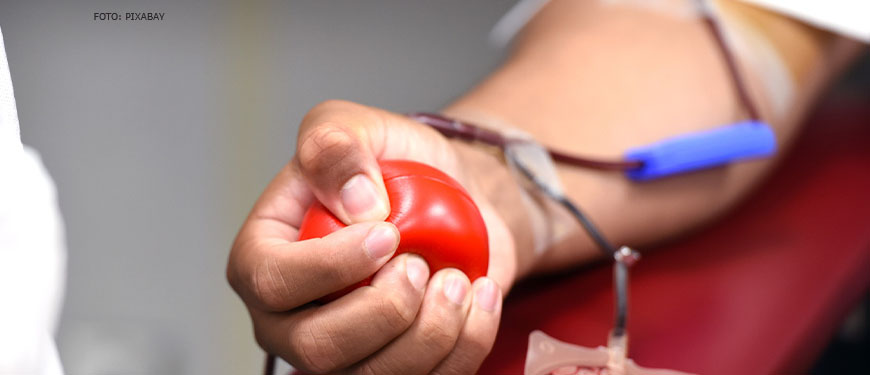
[404,322]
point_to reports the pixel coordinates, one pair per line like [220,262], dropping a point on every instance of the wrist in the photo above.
[493,188]
[493,183]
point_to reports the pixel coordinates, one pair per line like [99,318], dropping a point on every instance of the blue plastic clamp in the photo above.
[701,150]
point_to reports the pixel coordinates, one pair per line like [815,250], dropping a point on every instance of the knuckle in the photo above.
[314,352]
[325,146]
[235,269]
[342,276]
[261,337]
[233,278]
[269,286]
[397,310]
[436,336]
[478,345]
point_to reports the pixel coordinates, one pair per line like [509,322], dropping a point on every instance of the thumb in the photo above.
[337,160]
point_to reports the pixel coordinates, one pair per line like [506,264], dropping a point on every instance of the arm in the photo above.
[597,79]
[583,77]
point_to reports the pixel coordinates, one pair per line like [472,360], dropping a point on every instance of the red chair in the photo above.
[762,291]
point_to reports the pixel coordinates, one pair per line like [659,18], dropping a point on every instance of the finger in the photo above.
[333,336]
[478,335]
[276,275]
[273,220]
[434,332]
[284,202]
[337,159]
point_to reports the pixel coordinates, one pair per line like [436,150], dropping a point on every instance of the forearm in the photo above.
[597,80]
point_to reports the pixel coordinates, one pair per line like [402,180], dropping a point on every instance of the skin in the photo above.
[582,77]
[391,326]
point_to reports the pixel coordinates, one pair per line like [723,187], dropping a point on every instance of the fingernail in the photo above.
[381,241]
[455,288]
[486,295]
[418,271]
[361,200]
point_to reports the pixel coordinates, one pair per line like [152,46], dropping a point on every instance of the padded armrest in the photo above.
[761,291]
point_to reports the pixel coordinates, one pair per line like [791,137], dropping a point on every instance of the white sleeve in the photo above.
[32,249]
[846,17]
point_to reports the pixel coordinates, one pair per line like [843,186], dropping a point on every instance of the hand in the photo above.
[403,323]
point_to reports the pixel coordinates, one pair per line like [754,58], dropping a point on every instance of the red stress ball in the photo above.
[435,216]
